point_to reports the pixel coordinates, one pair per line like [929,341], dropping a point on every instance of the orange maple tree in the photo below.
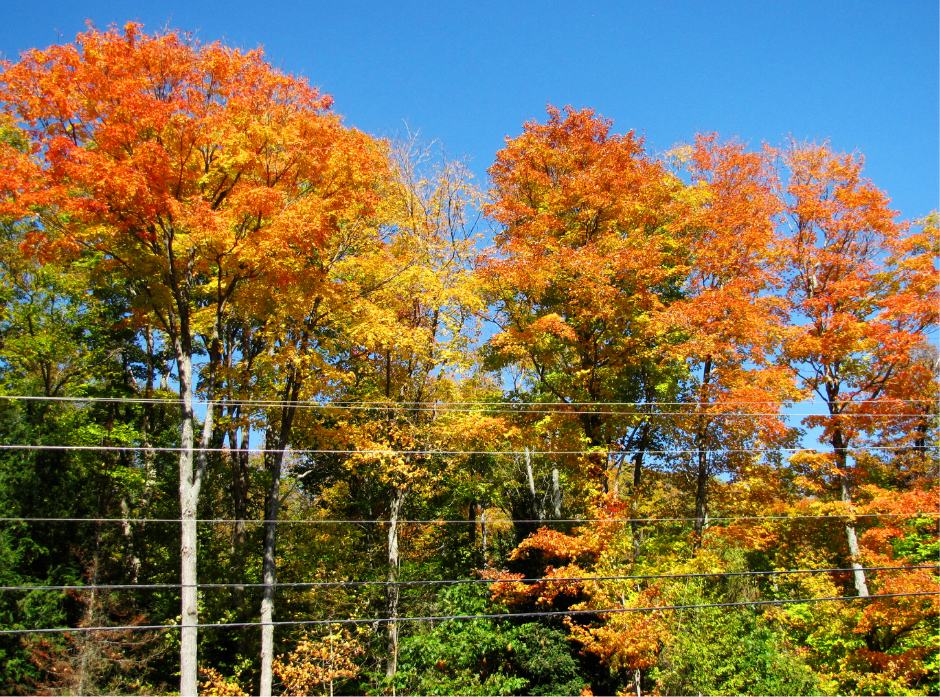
[583,261]
[860,297]
[727,322]
[187,170]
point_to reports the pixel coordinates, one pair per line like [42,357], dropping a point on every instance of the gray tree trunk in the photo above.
[840,446]
[239,461]
[861,585]
[179,278]
[701,493]
[192,471]
[150,469]
[269,569]
[637,480]
[483,538]
[189,496]
[538,512]
[270,575]
[393,590]
[556,494]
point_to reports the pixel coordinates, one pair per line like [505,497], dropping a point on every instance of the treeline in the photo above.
[629,400]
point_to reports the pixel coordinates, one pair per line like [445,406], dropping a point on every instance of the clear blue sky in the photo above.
[863,74]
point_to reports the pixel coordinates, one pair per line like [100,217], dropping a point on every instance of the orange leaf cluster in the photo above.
[319,661]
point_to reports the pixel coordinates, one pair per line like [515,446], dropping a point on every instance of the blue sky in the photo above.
[862,74]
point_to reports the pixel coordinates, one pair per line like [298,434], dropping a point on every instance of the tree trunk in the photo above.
[527,513]
[176,320]
[535,509]
[240,532]
[86,642]
[861,585]
[840,447]
[556,494]
[190,485]
[638,456]
[132,531]
[269,573]
[637,480]
[483,538]
[472,523]
[701,441]
[238,447]
[128,529]
[238,493]
[269,568]
[189,495]
[238,452]
[701,494]
[393,590]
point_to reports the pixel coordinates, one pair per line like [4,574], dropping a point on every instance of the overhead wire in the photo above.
[455,582]
[429,521]
[442,618]
[392,451]
[506,407]
[386,404]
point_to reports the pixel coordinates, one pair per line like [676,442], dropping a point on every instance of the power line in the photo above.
[441,618]
[330,521]
[308,451]
[462,581]
[433,405]
[507,408]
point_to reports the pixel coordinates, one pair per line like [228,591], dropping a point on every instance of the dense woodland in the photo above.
[608,379]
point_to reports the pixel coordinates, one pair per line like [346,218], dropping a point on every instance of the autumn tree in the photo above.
[861,292]
[410,347]
[298,330]
[583,262]
[906,418]
[727,323]
[320,661]
[189,169]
